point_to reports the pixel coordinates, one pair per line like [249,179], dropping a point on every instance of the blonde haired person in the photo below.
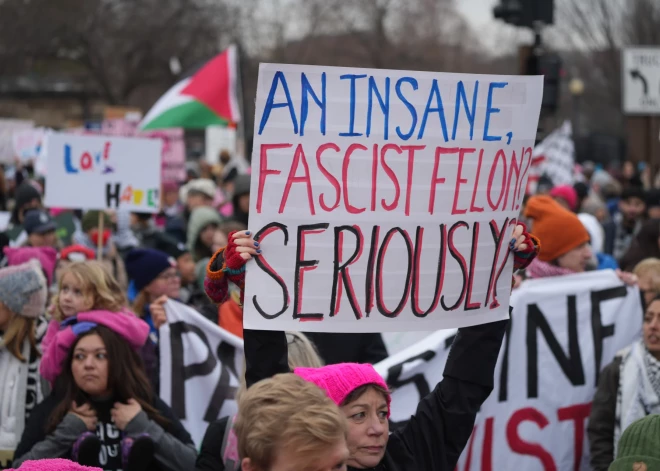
[222,433]
[287,423]
[648,278]
[88,294]
[23,295]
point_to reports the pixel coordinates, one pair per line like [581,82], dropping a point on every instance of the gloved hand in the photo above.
[82,327]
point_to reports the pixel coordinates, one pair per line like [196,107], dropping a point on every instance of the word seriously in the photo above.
[404,108]
[476,180]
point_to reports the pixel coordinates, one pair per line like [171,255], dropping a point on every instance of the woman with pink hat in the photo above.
[435,436]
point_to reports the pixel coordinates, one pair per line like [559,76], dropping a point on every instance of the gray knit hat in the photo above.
[23,289]
[640,443]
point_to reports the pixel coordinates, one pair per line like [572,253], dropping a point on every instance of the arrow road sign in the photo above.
[637,75]
[641,81]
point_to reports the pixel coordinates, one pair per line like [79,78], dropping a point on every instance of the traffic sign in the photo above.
[641,80]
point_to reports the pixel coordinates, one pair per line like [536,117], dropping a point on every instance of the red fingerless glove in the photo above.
[522,258]
[234,263]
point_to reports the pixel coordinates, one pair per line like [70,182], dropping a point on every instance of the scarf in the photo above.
[638,394]
[540,269]
[622,236]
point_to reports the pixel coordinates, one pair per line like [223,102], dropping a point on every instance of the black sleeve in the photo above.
[266,354]
[444,420]
[373,349]
[209,458]
[600,429]
[175,427]
[610,231]
[35,428]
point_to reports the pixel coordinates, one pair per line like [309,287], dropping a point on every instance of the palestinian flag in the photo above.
[208,98]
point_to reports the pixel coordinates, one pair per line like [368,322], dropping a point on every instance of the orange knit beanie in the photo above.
[559,230]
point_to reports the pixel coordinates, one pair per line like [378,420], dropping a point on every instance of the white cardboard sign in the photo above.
[385,200]
[100,172]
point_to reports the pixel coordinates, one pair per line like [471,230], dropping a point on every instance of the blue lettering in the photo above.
[351,124]
[270,102]
[411,108]
[470,114]
[490,110]
[304,105]
[384,105]
[440,109]
[68,164]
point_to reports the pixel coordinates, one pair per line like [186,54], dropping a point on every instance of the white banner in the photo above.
[93,172]
[7,129]
[200,366]
[564,330]
[354,170]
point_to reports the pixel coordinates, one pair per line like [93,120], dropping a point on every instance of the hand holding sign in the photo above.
[157,309]
[244,246]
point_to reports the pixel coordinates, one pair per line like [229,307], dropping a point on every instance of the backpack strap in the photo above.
[229,450]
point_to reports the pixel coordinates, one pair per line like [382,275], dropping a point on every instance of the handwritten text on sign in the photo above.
[385,200]
[96,172]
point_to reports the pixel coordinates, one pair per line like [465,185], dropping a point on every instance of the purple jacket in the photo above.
[57,343]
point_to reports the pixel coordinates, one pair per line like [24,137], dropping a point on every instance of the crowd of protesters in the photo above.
[82,298]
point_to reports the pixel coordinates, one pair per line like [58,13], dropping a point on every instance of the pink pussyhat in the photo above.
[338,381]
[54,465]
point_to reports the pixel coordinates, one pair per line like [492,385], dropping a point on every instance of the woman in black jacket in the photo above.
[435,436]
[104,413]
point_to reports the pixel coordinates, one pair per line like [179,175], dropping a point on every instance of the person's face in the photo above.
[244,203]
[632,208]
[219,240]
[170,198]
[646,283]
[90,366]
[628,170]
[207,235]
[48,239]
[333,459]
[577,259]
[197,201]
[5,317]
[651,329]
[168,283]
[72,297]
[186,266]
[654,212]
[32,204]
[368,429]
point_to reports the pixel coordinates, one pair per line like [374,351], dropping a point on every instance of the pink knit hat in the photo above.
[338,381]
[567,193]
[47,257]
[54,465]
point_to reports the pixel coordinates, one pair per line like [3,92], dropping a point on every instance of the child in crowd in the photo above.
[87,294]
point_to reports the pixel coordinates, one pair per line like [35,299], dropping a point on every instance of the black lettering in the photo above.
[380,302]
[112,195]
[601,332]
[504,372]
[182,372]
[223,391]
[456,255]
[343,270]
[301,265]
[571,365]
[263,264]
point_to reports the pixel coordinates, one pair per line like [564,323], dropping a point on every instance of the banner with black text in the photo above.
[200,367]
[563,332]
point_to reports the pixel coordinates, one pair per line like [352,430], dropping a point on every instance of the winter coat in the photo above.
[600,428]
[355,348]
[174,449]
[434,438]
[21,389]
[58,341]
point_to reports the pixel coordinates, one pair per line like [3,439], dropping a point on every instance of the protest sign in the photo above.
[555,158]
[7,129]
[200,367]
[385,200]
[96,172]
[27,143]
[563,332]
[173,149]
